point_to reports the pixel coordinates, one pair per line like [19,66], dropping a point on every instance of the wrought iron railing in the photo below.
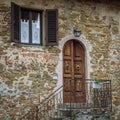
[98,101]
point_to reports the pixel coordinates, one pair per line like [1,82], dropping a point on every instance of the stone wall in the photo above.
[29,73]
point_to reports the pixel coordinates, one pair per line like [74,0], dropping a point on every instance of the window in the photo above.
[27,25]
[30,31]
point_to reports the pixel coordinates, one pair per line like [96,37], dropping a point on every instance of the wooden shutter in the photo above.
[51,26]
[15,22]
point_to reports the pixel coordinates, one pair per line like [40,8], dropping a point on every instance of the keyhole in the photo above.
[67,67]
[77,67]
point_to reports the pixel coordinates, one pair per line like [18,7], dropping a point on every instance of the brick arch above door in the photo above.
[87,46]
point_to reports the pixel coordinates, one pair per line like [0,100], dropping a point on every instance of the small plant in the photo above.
[7,117]
[97,81]
[107,117]
[93,118]
[74,116]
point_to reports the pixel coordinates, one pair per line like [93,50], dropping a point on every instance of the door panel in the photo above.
[73,72]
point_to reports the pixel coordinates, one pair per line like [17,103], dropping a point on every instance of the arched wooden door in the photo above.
[73,72]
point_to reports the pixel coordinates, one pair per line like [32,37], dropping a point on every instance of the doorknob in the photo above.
[78,67]
[67,67]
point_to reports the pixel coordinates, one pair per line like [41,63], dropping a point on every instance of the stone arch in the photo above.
[87,47]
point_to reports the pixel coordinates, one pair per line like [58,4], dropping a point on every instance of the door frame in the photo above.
[73,56]
[59,68]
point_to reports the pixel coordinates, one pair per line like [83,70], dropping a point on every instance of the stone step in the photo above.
[56,118]
[86,117]
[64,112]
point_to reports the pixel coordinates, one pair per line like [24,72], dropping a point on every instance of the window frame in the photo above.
[30,25]
[16,25]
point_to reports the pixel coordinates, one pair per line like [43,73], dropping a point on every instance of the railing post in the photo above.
[70,98]
[36,112]
[110,94]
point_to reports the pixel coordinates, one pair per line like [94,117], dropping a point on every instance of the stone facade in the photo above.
[29,73]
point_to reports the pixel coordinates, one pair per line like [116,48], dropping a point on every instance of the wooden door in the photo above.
[73,72]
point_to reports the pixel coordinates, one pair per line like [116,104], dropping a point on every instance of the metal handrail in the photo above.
[98,101]
[41,103]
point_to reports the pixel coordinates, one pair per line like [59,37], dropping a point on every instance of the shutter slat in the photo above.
[51,26]
[15,22]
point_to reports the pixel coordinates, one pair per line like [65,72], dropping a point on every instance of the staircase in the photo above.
[98,105]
